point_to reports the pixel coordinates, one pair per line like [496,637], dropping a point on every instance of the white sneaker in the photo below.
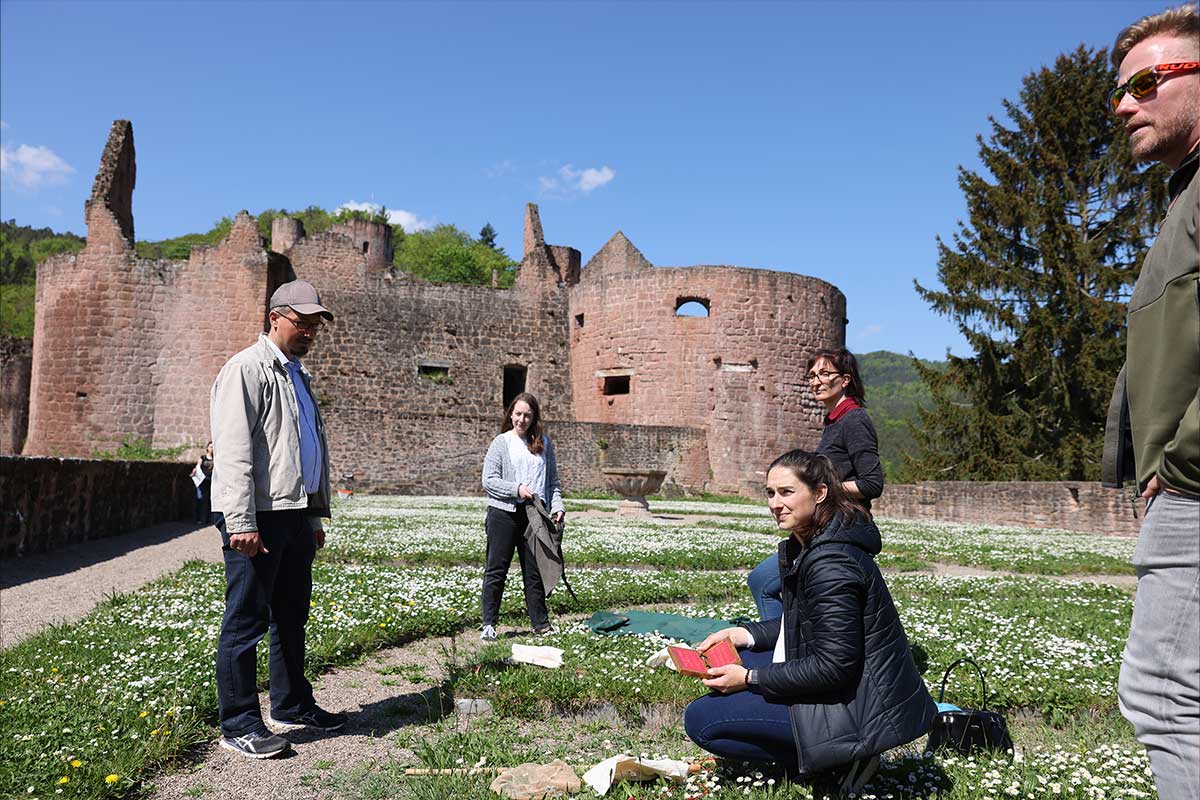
[488,634]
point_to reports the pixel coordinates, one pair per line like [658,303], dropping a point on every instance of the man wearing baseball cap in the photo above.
[270,484]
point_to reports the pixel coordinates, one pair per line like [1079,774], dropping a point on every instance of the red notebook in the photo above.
[694,663]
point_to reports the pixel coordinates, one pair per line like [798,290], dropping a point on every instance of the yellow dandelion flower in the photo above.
[144,714]
[112,778]
[63,779]
[154,732]
[76,763]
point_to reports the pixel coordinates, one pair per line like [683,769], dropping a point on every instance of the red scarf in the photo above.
[843,408]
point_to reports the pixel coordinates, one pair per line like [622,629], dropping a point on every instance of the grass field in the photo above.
[95,708]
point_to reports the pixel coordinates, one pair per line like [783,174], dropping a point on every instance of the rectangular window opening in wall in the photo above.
[616,384]
[366,247]
[436,371]
[579,320]
[514,382]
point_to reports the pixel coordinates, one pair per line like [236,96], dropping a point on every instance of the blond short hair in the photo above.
[1182,21]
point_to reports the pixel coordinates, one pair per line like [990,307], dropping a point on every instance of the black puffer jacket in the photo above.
[849,676]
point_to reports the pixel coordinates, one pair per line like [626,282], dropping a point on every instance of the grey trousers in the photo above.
[1159,687]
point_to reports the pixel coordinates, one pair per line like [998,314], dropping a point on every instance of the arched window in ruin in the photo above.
[691,306]
[366,247]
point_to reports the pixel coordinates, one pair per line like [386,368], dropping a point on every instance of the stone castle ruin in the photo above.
[413,376]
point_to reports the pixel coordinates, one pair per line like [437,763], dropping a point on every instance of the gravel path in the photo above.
[48,588]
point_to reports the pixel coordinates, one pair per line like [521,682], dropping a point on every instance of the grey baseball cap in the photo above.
[302,298]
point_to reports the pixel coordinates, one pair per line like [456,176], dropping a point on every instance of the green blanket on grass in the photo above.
[673,626]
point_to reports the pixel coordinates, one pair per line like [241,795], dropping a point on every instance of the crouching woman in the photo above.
[832,684]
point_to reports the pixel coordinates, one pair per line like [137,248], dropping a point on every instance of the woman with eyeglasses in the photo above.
[519,467]
[832,683]
[849,441]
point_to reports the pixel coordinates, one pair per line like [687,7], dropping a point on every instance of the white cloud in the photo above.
[397,216]
[570,180]
[867,332]
[33,167]
[500,169]
[3,124]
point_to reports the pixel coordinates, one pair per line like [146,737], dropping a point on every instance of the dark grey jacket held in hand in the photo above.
[849,677]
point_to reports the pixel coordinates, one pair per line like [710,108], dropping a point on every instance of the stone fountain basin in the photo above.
[630,482]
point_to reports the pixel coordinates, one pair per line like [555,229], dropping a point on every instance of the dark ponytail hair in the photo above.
[535,427]
[813,470]
[844,363]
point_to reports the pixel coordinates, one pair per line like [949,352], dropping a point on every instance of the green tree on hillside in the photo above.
[449,255]
[487,236]
[1036,282]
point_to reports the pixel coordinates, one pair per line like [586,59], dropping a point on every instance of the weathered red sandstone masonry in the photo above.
[16,364]
[413,375]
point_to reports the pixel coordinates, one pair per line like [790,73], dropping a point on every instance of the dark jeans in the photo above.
[743,725]
[203,513]
[506,534]
[766,587]
[270,591]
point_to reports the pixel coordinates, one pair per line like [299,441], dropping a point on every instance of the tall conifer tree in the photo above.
[1037,282]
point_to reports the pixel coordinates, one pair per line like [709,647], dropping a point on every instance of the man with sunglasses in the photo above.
[271,485]
[1153,431]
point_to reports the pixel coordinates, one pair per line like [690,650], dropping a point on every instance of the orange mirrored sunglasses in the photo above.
[1145,81]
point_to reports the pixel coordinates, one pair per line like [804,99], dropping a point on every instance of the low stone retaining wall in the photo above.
[443,454]
[48,503]
[1069,505]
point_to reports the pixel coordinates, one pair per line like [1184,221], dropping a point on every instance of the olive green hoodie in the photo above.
[1154,415]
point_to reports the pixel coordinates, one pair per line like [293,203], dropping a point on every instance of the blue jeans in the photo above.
[268,592]
[767,588]
[743,725]
[1159,687]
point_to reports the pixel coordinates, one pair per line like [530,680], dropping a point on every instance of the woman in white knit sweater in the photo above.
[519,466]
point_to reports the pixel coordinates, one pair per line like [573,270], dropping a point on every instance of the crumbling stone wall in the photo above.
[1066,505]
[124,346]
[127,346]
[16,365]
[52,502]
[403,349]
[737,373]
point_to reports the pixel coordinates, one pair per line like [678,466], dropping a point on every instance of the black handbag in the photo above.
[965,731]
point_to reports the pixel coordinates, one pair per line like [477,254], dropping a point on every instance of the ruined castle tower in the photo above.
[736,370]
[126,346]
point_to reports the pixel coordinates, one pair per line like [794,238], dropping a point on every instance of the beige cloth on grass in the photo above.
[536,781]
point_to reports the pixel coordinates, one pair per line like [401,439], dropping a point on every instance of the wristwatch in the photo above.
[751,678]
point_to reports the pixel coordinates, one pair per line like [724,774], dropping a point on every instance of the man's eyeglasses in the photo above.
[301,325]
[824,376]
[1143,82]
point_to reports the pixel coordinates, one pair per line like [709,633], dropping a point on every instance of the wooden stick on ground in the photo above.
[693,768]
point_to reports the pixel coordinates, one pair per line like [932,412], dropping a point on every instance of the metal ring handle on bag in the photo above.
[946,677]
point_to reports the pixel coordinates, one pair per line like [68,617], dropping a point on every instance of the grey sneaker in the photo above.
[488,634]
[257,744]
[317,719]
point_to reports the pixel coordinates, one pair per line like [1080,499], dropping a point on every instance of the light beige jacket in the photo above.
[256,441]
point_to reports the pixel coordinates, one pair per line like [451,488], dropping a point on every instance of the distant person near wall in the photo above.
[850,443]
[202,477]
[518,469]
[271,487]
[1153,430]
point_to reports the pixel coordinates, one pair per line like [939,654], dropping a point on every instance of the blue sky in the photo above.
[819,138]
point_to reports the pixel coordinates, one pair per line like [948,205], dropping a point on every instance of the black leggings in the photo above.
[506,534]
